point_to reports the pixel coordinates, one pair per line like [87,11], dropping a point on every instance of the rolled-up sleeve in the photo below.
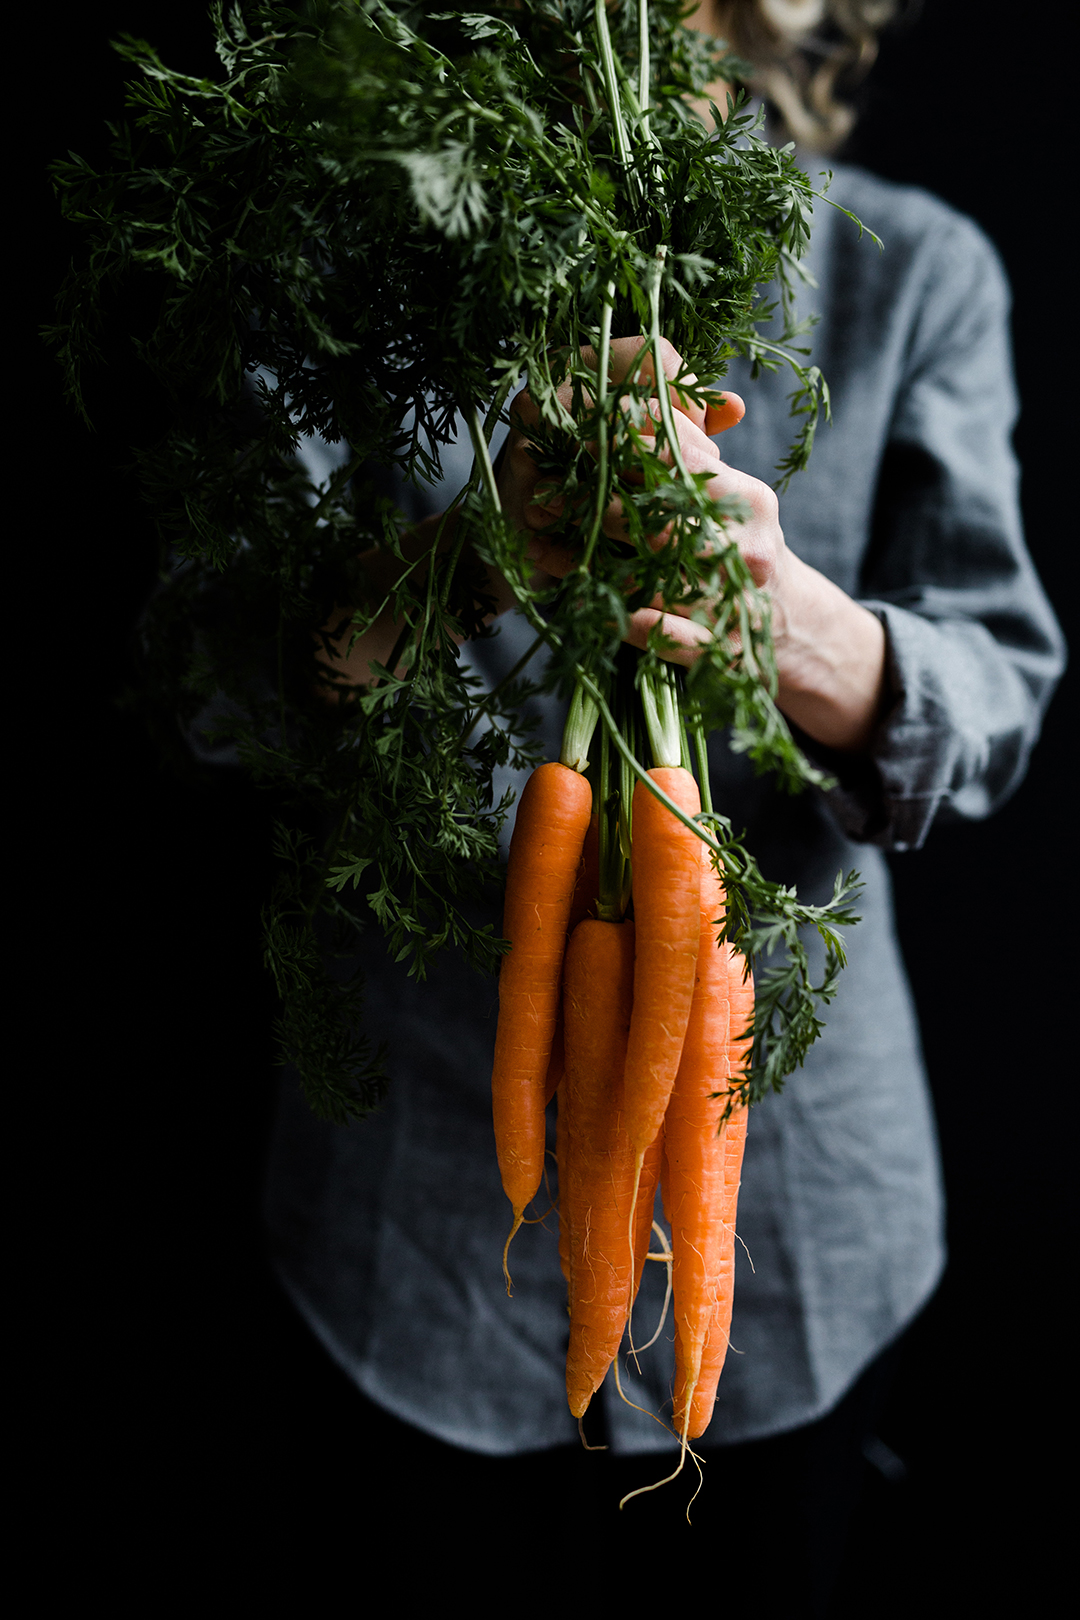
[973,648]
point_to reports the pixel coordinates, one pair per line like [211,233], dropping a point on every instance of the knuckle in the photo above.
[767,504]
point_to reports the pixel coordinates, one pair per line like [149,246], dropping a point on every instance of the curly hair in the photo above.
[803,52]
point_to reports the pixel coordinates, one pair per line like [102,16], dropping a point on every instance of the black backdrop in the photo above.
[173,1391]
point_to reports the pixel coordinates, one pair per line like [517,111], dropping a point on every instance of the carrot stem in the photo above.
[496,691]
[644,68]
[578,731]
[662,720]
[602,363]
[640,771]
[611,86]
[701,753]
[663,388]
[614,862]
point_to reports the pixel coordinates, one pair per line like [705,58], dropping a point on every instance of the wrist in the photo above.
[830,657]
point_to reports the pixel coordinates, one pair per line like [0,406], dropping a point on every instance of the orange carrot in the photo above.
[587,887]
[562,1148]
[701,1398]
[666,862]
[694,1146]
[597,1181]
[545,858]
[583,905]
[557,1061]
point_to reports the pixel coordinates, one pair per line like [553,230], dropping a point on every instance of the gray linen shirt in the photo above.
[389,1235]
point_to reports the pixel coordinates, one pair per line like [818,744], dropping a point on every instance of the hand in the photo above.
[830,651]
[519,476]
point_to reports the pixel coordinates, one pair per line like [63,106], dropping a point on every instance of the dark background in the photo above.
[175,1403]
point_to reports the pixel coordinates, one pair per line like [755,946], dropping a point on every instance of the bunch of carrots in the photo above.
[620,999]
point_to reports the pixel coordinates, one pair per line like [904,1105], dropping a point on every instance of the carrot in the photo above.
[582,906]
[694,1146]
[545,858]
[597,1181]
[701,1398]
[557,1061]
[666,861]
[650,1175]
[587,887]
[562,1148]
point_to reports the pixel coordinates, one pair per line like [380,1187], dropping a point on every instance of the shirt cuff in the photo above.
[890,795]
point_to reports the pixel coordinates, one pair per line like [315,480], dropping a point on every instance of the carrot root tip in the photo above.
[585,1443]
[684,1451]
[643,1490]
[519,1217]
[639,1160]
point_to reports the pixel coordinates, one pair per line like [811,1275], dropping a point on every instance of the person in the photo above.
[916,653]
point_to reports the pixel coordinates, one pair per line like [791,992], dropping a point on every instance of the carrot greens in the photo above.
[373,228]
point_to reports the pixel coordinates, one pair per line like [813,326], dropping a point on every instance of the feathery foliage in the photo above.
[297,223]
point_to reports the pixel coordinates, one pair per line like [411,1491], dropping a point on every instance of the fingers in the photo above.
[689,636]
[538,510]
[551,557]
[697,452]
[632,359]
[718,418]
